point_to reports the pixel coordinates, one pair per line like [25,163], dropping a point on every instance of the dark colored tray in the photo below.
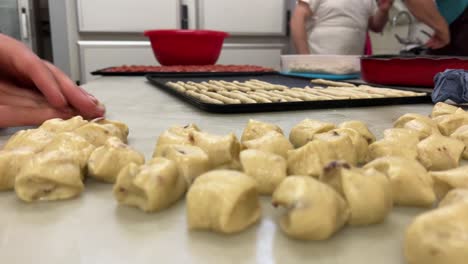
[270,107]
[102,72]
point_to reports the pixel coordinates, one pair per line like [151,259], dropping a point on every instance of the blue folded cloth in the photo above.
[451,85]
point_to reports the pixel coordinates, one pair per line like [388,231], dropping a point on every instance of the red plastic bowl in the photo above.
[407,70]
[186,47]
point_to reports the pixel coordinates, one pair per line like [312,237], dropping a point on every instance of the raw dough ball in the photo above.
[191,161]
[422,124]
[11,162]
[221,150]
[438,152]
[272,142]
[73,144]
[58,125]
[340,144]
[397,142]
[449,123]
[359,127]
[360,144]
[267,169]
[462,134]
[32,139]
[441,109]
[97,134]
[106,162]
[223,201]
[176,135]
[256,129]
[123,128]
[368,192]
[440,236]
[49,176]
[411,183]
[310,159]
[151,187]
[304,132]
[315,211]
[444,181]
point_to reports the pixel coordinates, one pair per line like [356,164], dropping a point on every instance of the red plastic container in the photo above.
[406,70]
[186,47]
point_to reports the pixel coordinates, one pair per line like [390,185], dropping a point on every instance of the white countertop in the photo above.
[94,229]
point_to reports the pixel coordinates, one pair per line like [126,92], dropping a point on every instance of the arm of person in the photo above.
[426,11]
[378,21]
[298,27]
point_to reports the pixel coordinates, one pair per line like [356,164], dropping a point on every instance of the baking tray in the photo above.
[289,81]
[102,72]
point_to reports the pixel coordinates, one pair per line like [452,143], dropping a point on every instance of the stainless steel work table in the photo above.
[93,229]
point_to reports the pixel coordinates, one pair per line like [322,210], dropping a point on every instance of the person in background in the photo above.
[336,26]
[448,19]
[33,91]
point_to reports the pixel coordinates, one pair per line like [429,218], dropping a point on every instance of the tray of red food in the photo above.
[186,70]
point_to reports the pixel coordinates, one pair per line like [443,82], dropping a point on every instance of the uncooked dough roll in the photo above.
[411,183]
[360,144]
[304,132]
[462,134]
[440,236]
[221,150]
[191,161]
[444,181]
[11,162]
[441,109]
[359,127]
[123,128]
[310,159]
[422,124]
[106,161]
[367,192]
[256,129]
[177,135]
[449,123]
[273,142]
[151,187]
[340,144]
[267,169]
[32,139]
[49,176]
[98,134]
[438,152]
[400,142]
[58,125]
[315,211]
[223,201]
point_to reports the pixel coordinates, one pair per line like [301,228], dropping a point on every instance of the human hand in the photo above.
[19,65]
[385,5]
[440,39]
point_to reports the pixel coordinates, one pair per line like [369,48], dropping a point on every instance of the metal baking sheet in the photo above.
[160,82]
[103,72]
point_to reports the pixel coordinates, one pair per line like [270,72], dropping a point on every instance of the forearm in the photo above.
[299,36]
[378,21]
[426,12]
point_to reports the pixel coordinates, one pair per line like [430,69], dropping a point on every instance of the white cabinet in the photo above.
[244,17]
[126,15]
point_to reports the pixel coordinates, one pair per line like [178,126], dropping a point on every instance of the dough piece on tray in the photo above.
[32,139]
[439,236]
[177,87]
[359,127]
[273,142]
[438,152]
[222,98]
[98,134]
[388,92]
[449,123]
[204,98]
[340,144]
[441,109]
[151,187]
[462,134]
[360,145]
[223,201]
[267,169]
[423,124]
[123,128]
[11,162]
[310,159]
[304,132]
[396,142]
[444,181]
[58,125]
[191,161]
[106,162]
[176,135]
[411,183]
[256,129]
[331,83]
[367,192]
[315,211]
[221,150]
[49,176]
[244,98]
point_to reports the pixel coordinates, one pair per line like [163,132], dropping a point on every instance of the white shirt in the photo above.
[339,26]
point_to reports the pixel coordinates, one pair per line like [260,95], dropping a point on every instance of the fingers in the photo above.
[12,116]
[12,100]
[86,105]
[12,89]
